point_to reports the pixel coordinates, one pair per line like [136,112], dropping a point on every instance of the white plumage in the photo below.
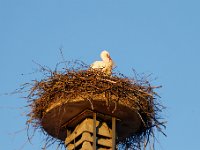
[105,65]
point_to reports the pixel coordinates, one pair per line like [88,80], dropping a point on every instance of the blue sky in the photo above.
[158,37]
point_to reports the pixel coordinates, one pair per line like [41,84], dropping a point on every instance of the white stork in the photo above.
[105,65]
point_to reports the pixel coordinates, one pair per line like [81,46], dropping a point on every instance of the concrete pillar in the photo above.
[83,138]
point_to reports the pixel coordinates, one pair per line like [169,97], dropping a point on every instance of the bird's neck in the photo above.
[107,59]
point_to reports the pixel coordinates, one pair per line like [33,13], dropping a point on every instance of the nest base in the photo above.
[62,117]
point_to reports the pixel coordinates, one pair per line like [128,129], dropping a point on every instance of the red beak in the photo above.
[109,57]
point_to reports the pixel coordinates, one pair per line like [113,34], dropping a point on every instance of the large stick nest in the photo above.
[76,80]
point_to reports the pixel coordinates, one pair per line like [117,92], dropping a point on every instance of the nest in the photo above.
[76,80]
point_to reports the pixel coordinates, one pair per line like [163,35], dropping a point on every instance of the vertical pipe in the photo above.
[94,131]
[113,133]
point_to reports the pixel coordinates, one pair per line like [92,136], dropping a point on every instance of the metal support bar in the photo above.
[94,131]
[113,133]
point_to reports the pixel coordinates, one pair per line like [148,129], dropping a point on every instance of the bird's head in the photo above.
[105,55]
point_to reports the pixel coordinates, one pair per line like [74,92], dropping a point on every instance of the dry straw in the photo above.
[76,80]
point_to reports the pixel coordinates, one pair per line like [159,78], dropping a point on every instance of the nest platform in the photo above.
[60,117]
[63,99]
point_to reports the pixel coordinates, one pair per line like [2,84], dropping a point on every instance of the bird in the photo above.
[106,65]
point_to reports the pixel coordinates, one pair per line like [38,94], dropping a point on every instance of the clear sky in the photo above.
[161,37]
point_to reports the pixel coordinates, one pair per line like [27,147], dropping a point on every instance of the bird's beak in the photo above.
[109,57]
